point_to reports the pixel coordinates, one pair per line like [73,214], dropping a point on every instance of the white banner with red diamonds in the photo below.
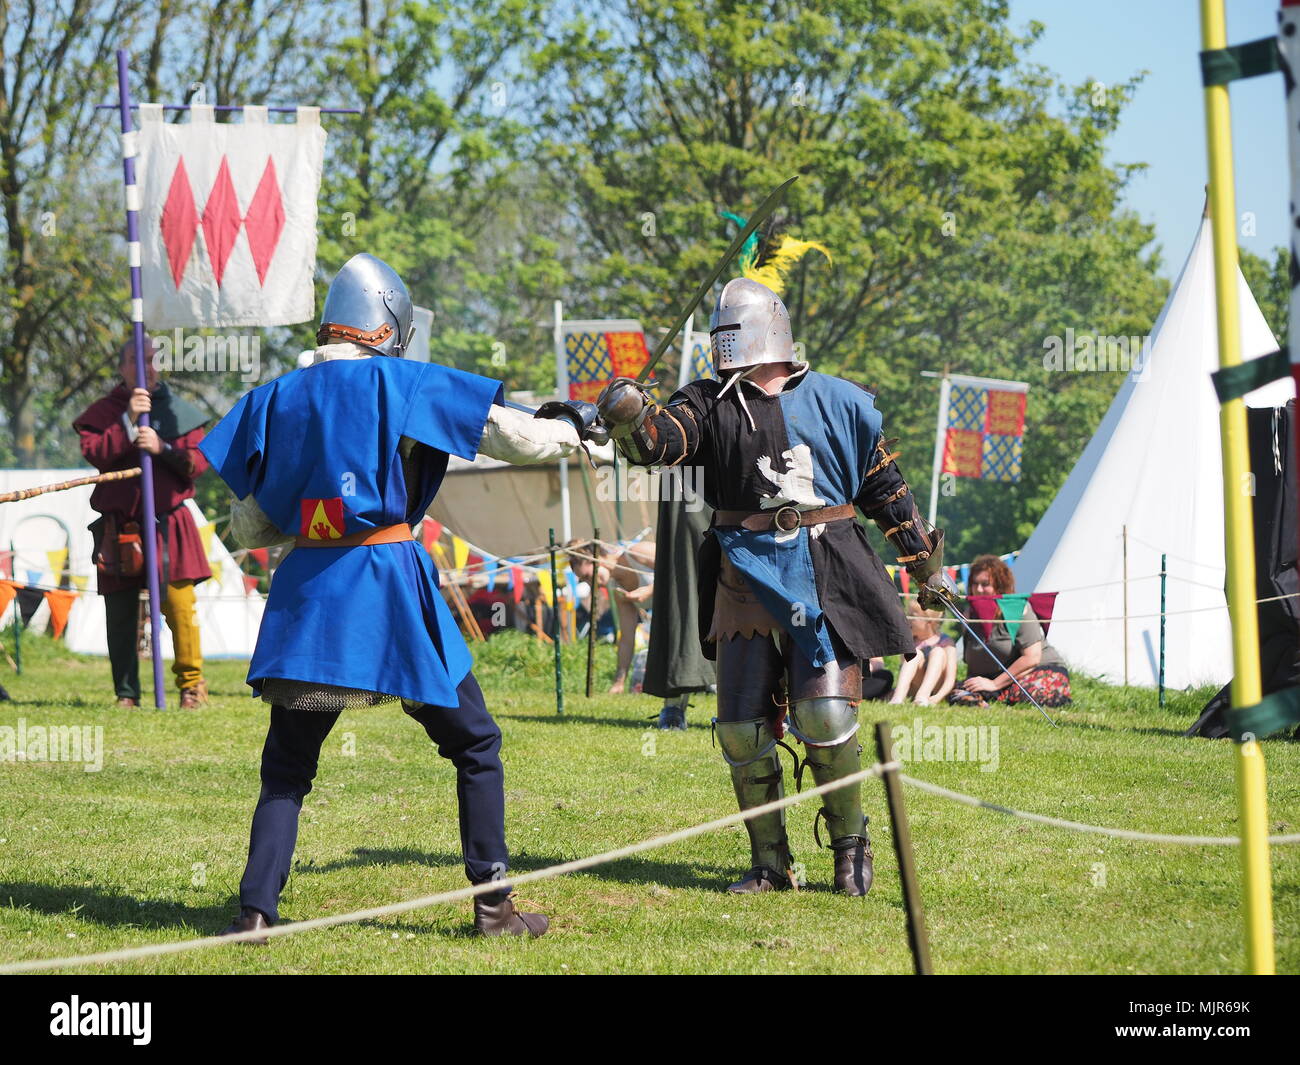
[228,218]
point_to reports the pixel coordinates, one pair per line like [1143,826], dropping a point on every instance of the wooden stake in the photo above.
[916,935]
[591,615]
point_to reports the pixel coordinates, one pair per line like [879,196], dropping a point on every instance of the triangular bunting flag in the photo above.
[206,533]
[8,589]
[1013,610]
[430,532]
[57,559]
[1042,604]
[29,600]
[459,552]
[985,609]
[80,581]
[544,581]
[60,601]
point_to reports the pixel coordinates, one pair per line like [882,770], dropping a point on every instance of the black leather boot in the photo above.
[759,879]
[853,871]
[502,919]
[249,920]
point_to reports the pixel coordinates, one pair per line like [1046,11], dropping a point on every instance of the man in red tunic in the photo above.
[112,439]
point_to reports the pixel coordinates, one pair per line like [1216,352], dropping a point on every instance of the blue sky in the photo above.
[1110,41]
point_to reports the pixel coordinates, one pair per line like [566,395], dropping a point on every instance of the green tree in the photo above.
[964,195]
[63,270]
[1270,283]
[429,175]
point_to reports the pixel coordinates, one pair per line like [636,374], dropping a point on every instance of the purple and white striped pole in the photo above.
[149,525]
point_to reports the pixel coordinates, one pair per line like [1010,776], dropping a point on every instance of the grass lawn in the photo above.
[151,847]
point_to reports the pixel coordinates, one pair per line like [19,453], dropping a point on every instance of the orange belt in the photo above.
[385,534]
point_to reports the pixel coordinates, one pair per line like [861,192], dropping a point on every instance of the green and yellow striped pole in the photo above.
[1238,525]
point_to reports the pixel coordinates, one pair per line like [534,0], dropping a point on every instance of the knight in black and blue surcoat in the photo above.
[792,597]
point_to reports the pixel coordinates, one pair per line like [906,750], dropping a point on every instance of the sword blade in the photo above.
[961,618]
[759,216]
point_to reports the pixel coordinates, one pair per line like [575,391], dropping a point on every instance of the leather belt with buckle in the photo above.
[783,519]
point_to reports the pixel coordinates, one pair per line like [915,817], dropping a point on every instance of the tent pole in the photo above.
[1238,522]
[1124,535]
[592,604]
[18,614]
[555,623]
[1164,566]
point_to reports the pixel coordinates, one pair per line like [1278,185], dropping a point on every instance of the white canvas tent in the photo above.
[1154,466]
[228,619]
[509,510]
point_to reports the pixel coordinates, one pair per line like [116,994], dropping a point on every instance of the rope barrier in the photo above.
[581,864]
[1078,826]
[424,901]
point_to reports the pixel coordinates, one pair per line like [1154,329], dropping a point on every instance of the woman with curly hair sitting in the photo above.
[1034,661]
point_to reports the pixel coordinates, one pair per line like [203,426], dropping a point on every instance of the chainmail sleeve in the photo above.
[887,500]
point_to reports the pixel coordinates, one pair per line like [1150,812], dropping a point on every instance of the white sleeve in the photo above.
[250,526]
[520,439]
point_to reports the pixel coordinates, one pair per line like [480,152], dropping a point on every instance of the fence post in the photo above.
[555,630]
[916,935]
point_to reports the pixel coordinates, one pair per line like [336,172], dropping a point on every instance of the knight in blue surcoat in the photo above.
[340,458]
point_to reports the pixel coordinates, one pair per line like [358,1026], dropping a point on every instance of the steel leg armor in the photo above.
[749,748]
[824,718]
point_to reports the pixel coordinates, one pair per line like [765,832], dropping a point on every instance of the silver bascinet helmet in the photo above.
[368,304]
[750,325]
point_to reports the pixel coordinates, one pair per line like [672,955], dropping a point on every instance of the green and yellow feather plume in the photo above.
[770,263]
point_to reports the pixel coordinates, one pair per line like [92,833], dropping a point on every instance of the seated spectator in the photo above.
[628,573]
[927,678]
[876,680]
[1034,662]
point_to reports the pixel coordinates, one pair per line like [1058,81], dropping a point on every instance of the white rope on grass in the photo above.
[488,887]
[1078,826]
[580,864]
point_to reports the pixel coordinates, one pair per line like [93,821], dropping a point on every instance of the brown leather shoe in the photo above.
[759,879]
[127,703]
[193,698]
[502,919]
[853,870]
[249,920]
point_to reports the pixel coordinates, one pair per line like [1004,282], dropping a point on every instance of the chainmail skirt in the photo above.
[306,695]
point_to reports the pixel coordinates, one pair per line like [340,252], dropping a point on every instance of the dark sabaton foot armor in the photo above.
[749,748]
